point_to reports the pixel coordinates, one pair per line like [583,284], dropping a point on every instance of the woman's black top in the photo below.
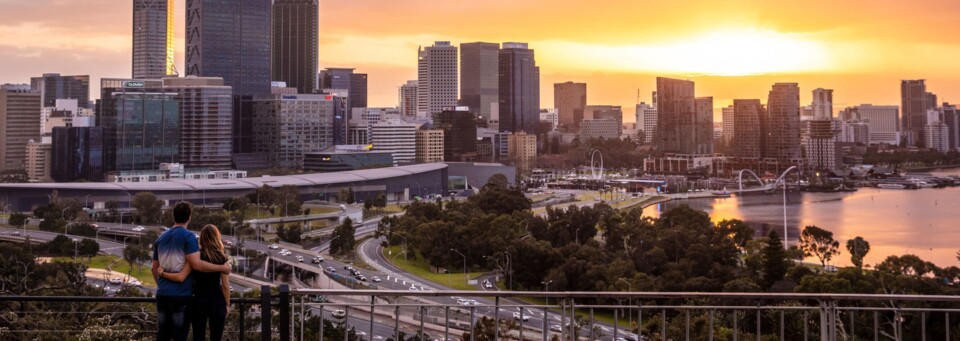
[206,285]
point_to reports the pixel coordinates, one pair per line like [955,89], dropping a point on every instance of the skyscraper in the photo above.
[436,78]
[822,104]
[206,109]
[479,83]
[883,120]
[782,140]
[647,120]
[459,134]
[230,39]
[141,124]
[570,99]
[683,126]
[289,126]
[748,121]
[346,79]
[519,89]
[408,99]
[53,86]
[606,112]
[729,127]
[77,154]
[19,123]
[152,38]
[915,101]
[295,34]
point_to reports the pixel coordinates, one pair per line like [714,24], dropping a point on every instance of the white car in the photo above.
[376,279]
[517,316]
[555,328]
[116,280]
[487,285]
[339,313]
[300,259]
[461,301]
[274,246]
[138,229]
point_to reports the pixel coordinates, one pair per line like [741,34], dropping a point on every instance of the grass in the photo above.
[419,267]
[540,197]
[251,213]
[641,201]
[119,265]
[320,209]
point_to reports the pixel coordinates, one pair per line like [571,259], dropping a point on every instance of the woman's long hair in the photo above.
[211,246]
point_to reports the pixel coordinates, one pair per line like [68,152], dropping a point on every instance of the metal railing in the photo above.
[385,315]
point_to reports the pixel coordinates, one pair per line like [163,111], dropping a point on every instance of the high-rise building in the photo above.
[606,128]
[522,151]
[230,39]
[436,78]
[884,122]
[684,125]
[479,82]
[729,128]
[397,137]
[78,154]
[141,124]
[748,122]
[937,136]
[430,145]
[295,43]
[782,139]
[951,118]
[822,149]
[519,89]
[459,134]
[53,86]
[551,116]
[647,120]
[408,99]
[288,126]
[345,79]
[822,104]
[19,123]
[914,103]
[152,39]
[37,163]
[606,112]
[570,99]
[206,125]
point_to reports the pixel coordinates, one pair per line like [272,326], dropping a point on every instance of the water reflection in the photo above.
[895,222]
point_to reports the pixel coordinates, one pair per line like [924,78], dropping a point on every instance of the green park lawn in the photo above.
[420,268]
[117,264]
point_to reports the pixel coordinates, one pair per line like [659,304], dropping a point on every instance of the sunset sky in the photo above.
[731,49]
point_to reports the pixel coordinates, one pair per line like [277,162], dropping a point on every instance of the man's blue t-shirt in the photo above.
[171,250]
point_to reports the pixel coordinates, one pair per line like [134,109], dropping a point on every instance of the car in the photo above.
[138,228]
[227,243]
[317,260]
[461,301]
[413,288]
[331,269]
[361,278]
[15,233]
[339,313]
[347,267]
[134,282]
[488,285]
[376,279]
[116,280]
[555,328]
[300,259]
[517,316]
[274,246]
[474,302]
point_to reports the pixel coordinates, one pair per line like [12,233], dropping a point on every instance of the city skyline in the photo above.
[615,59]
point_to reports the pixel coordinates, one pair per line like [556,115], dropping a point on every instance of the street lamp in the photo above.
[509,270]
[546,287]
[464,265]
[64,219]
[629,300]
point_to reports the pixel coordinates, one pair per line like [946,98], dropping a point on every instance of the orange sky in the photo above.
[731,49]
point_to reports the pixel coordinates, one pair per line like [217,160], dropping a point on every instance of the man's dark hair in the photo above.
[181,213]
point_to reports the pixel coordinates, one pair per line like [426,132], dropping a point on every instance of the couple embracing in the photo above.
[193,287]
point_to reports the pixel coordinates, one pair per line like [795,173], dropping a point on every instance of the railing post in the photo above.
[496,318]
[373,308]
[242,316]
[284,307]
[265,310]
[320,336]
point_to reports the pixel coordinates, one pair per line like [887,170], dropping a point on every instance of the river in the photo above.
[923,222]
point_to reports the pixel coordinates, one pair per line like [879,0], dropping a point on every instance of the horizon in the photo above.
[731,51]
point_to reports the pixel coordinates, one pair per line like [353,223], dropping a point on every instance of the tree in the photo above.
[88,248]
[858,248]
[17,219]
[148,207]
[498,180]
[113,208]
[236,204]
[815,241]
[134,255]
[292,234]
[775,263]
[343,238]
[346,196]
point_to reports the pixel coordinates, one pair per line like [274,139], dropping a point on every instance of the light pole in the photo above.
[546,288]
[404,243]
[509,270]
[64,219]
[629,301]
[464,265]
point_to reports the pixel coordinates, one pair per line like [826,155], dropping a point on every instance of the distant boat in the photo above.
[891,186]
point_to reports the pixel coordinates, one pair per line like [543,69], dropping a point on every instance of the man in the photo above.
[172,250]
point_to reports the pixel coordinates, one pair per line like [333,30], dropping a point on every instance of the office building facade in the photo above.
[295,43]
[408,98]
[522,151]
[460,134]
[206,112]
[437,78]
[729,128]
[748,121]
[519,89]
[230,39]
[346,79]
[19,123]
[782,139]
[914,103]
[821,147]
[822,104]
[141,124]
[288,126]
[153,39]
[570,99]
[647,121]
[53,86]
[884,122]
[37,162]
[430,145]
[479,82]
[397,137]
[78,154]
[684,125]
[605,128]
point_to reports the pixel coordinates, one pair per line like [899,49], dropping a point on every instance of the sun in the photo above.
[741,53]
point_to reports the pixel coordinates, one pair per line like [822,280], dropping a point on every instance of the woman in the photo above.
[211,290]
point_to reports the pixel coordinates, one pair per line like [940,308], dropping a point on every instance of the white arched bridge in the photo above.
[765,187]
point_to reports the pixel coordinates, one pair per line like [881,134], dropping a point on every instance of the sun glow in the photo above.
[726,53]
